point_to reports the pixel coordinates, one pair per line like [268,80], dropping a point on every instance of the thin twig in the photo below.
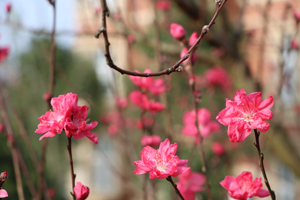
[169,178]
[261,164]
[110,63]
[69,147]
[51,89]
[5,118]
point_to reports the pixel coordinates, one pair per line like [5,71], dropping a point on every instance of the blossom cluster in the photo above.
[67,116]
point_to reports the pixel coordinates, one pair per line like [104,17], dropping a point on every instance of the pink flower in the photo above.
[153,140]
[193,38]
[121,102]
[177,31]
[46,96]
[160,163]
[97,10]
[183,52]
[8,7]
[294,44]
[218,148]
[116,16]
[163,5]
[68,116]
[217,76]
[113,129]
[3,193]
[3,53]
[147,122]
[81,191]
[204,121]
[141,100]
[131,38]
[51,192]
[190,183]
[242,187]
[154,86]
[296,15]
[246,112]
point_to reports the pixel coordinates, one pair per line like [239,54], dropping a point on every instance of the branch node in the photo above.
[205,29]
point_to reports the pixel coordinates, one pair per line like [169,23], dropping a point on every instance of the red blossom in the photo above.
[177,31]
[1,127]
[296,15]
[243,187]
[121,102]
[7,7]
[154,86]
[81,191]
[3,53]
[193,38]
[294,44]
[160,163]
[152,140]
[189,183]
[97,10]
[3,193]
[131,38]
[69,116]
[204,121]
[217,76]
[246,112]
[141,100]
[218,148]
[163,5]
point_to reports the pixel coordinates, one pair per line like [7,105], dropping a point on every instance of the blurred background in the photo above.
[253,45]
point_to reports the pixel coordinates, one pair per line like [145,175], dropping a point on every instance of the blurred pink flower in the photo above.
[218,148]
[147,122]
[141,100]
[154,86]
[116,16]
[113,129]
[204,121]
[121,102]
[189,183]
[7,7]
[3,193]
[193,38]
[160,163]
[294,44]
[183,52]
[97,10]
[163,5]
[81,191]
[152,140]
[131,38]
[246,112]
[243,187]
[217,76]
[3,53]
[177,31]
[46,96]
[68,116]
[296,15]
[218,52]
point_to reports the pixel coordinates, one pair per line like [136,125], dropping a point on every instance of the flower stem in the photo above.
[169,178]
[261,164]
[69,147]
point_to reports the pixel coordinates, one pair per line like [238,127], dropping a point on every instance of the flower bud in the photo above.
[97,10]
[8,7]
[218,148]
[1,127]
[153,140]
[163,5]
[81,191]
[193,38]
[294,44]
[3,177]
[183,52]
[177,31]
[46,96]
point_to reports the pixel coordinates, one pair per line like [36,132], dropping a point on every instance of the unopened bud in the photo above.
[3,177]
[205,29]
[218,2]
[179,69]
[192,81]
[198,96]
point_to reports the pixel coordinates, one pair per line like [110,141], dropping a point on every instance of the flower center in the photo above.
[162,168]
